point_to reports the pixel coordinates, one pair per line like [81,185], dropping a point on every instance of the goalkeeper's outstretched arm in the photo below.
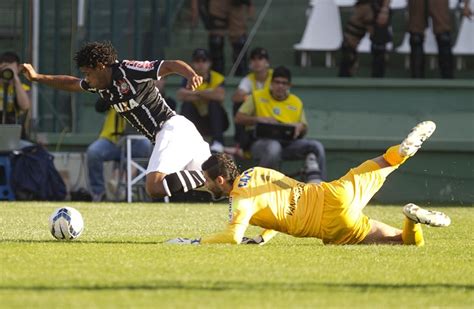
[243,211]
[233,234]
[261,239]
[268,234]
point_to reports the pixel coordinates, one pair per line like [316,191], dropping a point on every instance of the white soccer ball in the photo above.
[66,223]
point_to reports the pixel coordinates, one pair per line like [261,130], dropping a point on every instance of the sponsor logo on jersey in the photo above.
[125,106]
[245,178]
[277,111]
[295,198]
[147,65]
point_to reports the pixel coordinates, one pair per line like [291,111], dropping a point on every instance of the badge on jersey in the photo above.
[123,86]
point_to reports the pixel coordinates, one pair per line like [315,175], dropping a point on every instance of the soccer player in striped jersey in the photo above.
[128,86]
[331,211]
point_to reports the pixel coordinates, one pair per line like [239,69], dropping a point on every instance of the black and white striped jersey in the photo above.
[134,96]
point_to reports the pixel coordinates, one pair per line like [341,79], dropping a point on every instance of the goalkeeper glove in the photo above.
[184,241]
[258,240]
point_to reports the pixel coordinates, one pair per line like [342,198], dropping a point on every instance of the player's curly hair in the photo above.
[221,164]
[93,53]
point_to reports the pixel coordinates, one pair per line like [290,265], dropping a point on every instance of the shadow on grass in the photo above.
[246,286]
[39,241]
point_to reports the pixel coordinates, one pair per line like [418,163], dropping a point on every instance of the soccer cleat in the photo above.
[417,136]
[428,217]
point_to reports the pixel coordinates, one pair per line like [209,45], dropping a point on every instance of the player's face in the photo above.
[280,87]
[259,64]
[201,66]
[214,187]
[96,77]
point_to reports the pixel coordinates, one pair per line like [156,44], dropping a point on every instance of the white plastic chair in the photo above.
[398,4]
[343,3]
[365,45]
[430,46]
[323,32]
[453,4]
[394,4]
[464,45]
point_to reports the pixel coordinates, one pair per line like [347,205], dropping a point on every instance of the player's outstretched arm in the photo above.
[61,82]
[181,68]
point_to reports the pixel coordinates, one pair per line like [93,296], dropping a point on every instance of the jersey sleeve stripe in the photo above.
[158,77]
[184,182]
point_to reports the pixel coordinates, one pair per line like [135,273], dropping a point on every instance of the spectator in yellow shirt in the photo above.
[18,102]
[277,105]
[260,77]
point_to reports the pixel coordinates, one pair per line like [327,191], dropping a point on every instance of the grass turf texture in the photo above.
[120,261]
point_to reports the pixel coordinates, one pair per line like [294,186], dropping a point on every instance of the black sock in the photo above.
[183,181]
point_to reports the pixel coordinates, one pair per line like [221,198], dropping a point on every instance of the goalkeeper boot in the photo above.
[428,217]
[417,136]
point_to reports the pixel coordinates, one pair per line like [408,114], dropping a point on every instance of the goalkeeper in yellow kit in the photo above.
[331,211]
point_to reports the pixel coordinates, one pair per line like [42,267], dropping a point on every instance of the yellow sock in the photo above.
[412,233]
[393,157]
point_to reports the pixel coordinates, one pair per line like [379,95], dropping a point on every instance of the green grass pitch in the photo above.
[120,261]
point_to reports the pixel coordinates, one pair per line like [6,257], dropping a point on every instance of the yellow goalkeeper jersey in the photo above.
[273,201]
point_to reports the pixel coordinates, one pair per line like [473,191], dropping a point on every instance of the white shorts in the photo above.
[178,146]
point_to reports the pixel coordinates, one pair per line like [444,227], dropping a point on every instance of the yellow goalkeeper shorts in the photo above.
[342,220]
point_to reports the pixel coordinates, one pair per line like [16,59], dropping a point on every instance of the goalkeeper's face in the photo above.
[217,187]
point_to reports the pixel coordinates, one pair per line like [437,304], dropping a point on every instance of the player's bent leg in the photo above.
[414,215]
[396,155]
[183,181]
[381,233]
[412,233]
[159,185]
[154,185]
[385,167]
